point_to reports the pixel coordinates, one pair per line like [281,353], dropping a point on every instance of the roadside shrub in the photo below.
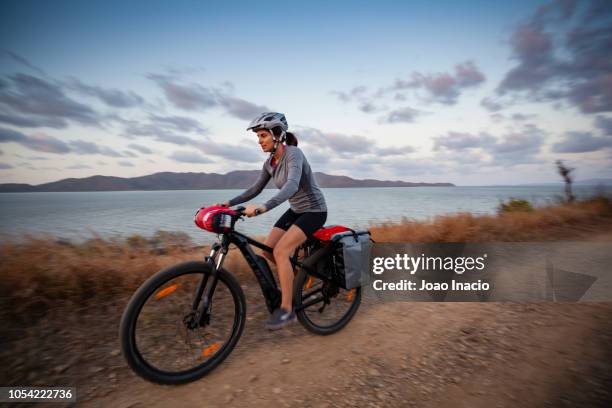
[514,205]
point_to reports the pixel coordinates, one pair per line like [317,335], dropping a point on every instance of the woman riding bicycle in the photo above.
[291,173]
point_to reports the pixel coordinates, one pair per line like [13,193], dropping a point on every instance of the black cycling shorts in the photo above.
[308,222]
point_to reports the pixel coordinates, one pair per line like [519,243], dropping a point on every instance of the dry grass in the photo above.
[553,223]
[43,274]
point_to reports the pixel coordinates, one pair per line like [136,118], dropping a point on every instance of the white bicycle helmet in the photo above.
[270,121]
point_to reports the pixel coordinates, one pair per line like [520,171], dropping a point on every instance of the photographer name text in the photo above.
[414,264]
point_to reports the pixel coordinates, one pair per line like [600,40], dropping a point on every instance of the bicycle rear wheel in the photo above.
[160,334]
[322,306]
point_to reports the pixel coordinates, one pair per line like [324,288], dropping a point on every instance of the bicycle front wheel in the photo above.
[160,332]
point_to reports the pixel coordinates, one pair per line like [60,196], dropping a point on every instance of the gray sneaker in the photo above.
[280,318]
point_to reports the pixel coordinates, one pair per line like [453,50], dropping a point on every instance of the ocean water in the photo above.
[80,216]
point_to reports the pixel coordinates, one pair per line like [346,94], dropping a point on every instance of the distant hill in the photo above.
[193,181]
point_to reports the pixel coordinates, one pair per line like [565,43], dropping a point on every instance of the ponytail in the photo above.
[291,139]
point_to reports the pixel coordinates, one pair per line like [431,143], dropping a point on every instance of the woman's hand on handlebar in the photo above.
[252,210]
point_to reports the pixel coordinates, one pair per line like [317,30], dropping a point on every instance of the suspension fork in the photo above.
[218,253]
[210,259]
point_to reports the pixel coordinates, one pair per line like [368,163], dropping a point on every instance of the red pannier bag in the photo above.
[326,233]
[216,219]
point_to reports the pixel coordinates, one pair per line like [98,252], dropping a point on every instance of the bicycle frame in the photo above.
[258,264]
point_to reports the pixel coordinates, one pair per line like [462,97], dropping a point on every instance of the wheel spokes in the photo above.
[189,344]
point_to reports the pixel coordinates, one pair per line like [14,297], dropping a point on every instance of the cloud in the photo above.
[162,129]
[210,146]
[581,142]
[350,147]
[124,163]
[533,48]
[133,129]
[337,142]
[38,142]
[180,123]
[8,135]
[140,148]
[84,147]
[33,122]
[5,166]
[444,87]
[563,55]
[472,160]
[231,152]
[393,150]
[605,124]
[491,105]
[29,95]
[111,97]
[177,139]
[497,117]
[356,93]
[522,116]
[402,115]
[183,70]
[189,157]
[520,147]
[190,97]
[23,61]
[468,75]
[365,102]
[316,156]
[78,167]
[197,97]
[369,107]
[463,141]
[413,167]
[48,144]
[240,108]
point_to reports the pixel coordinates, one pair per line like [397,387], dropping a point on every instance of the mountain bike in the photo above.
[186,319]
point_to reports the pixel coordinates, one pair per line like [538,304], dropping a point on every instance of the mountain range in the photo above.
[193,181]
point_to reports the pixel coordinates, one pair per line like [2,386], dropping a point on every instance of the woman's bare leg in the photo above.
[273,237]
[283,250]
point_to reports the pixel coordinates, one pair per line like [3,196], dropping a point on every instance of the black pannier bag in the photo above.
[346,257]
[353,258]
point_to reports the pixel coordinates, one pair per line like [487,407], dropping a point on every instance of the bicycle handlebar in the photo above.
[240,211]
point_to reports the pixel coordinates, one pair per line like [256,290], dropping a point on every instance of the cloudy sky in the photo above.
[474,93]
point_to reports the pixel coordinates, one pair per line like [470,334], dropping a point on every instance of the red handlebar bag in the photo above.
[216,219]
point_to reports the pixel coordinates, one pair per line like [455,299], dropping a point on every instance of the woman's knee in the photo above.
[281,252]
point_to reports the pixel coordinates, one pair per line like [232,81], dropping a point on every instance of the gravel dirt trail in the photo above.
[406,354]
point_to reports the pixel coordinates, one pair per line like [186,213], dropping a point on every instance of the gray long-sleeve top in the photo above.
[293,176]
